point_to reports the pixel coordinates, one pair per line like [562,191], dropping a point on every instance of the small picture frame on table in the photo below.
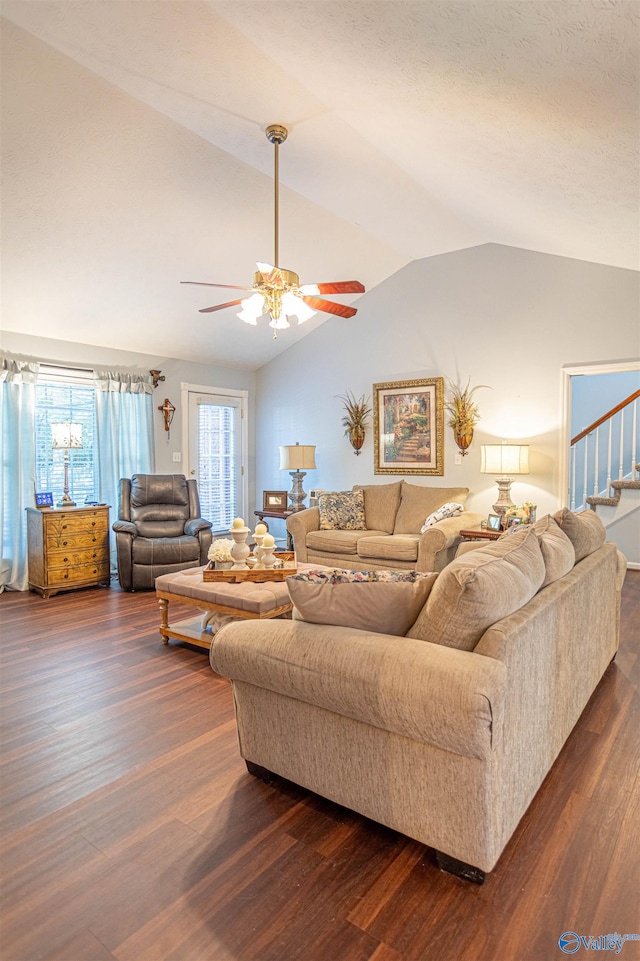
[44,500]
[494,522]
[274,500]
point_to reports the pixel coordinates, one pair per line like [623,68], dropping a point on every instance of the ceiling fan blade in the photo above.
[338,287]
[329,307]
[201,283]
[231,303]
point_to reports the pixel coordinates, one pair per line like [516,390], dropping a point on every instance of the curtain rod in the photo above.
[81,370]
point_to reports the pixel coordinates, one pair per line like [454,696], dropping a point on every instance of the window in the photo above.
[215,452]
[59,399]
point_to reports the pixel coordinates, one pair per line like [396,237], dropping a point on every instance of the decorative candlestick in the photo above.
[258,551]
[240,550]
[268,547]
[259,533]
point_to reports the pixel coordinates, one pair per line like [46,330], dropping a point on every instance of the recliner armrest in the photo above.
[125,527]
[196,524]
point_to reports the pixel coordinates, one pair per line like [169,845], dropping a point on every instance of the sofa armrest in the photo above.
[437,546]
[424,691]
[299,525]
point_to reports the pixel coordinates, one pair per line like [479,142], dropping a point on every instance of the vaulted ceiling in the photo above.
[135,155]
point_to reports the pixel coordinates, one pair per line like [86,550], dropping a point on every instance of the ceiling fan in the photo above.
[278,291]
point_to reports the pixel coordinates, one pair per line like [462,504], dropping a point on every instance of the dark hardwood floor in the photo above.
[131,829]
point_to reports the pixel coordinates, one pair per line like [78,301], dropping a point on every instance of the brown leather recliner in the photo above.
[159,529]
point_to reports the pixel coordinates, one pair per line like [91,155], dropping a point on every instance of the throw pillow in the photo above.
[417,502]
[342,511]
[447,510]
[558,552]
[478,589]
[585,530]
[385,602]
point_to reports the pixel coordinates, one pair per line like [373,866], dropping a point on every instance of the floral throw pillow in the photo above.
[447,510]
[383,602]
[342,511]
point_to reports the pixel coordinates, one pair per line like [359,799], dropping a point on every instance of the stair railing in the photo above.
[588,456]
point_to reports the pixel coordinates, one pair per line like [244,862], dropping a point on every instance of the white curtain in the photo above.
[17,476]
[124,431]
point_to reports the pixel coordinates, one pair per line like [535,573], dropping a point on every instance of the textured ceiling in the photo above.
[416,128]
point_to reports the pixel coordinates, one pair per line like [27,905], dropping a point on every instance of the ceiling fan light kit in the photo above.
[276,290]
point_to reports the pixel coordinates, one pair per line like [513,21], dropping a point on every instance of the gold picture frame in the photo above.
[408,427]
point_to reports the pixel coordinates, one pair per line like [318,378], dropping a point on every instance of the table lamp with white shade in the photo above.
[297,459]
[504,460]
[66,437]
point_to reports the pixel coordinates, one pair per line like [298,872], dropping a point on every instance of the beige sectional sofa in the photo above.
[447,733]
[394,514]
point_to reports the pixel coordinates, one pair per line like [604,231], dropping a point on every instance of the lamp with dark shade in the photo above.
[504,459]
[66,437]
[294,458]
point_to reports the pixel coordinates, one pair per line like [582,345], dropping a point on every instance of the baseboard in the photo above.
[633,566]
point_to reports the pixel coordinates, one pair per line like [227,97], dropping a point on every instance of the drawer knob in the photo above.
[66,560]
[66,576]
[64,543]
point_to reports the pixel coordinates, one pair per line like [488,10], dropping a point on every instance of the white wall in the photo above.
[175,371]
[502,316]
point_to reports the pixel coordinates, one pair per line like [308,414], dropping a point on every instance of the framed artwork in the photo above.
[494,522]
[408,426]
[274,500]
[44,499]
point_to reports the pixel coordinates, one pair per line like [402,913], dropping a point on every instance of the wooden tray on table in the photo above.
[257,576]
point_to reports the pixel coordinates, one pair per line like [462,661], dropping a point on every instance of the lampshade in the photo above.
[298,457]
[66,436]
[504,459]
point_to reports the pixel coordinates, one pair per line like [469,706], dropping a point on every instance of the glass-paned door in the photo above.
[215,456]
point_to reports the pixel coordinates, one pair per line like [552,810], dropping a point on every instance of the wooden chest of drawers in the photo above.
[68,548]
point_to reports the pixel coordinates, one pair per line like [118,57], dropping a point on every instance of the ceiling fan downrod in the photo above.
[276,134]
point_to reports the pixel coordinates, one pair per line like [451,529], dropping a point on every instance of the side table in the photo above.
[480,534]
[280,515]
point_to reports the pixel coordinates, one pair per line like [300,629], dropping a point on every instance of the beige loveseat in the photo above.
[393,514]
[444,734]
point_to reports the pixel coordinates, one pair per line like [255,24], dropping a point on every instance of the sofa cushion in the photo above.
[342,510]
[337,542]
[479,588]
[385,602]
[558,552]
[416,503]
[451,509]
[585,530]
[389,547]
[380,505]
